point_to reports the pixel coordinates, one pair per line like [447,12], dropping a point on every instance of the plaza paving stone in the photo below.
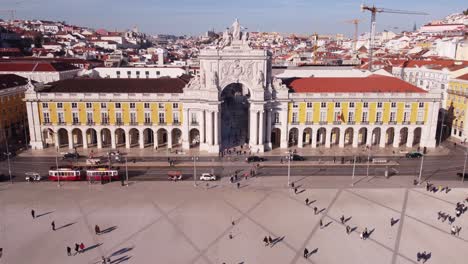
[165,222]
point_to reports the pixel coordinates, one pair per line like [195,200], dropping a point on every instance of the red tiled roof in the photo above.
[371,84]
[41,67]
[463,77]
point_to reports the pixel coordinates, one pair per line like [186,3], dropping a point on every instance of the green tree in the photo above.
[465,12]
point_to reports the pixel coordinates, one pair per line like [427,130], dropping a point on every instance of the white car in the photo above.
[207,177]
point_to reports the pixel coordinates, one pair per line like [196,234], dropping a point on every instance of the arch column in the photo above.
[209,128]
[56,138]
[169,139]
[85,139]
[127,139]
[300,138]
[141,139]
[328,137]
[369,136]
[70,139]
[342,138]
[313,141]
[113,145]
[253,128]
[355,138]
[216,127]
[202,128]
[99,139]
[410,139]
[284,128]
[396,138]
[185,129]
[382,138]
[261,131]
[268,130]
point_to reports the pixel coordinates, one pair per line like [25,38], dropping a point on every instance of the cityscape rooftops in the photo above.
[371,84]
[463,77]
[160,85]
[11,80]
[36,66]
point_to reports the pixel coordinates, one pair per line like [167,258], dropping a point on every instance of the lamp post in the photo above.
[56,164]
[289,157]
[7,153]
[420,170]
[354,170]
[464,167]
[126,169]
[368,162]
[195,158]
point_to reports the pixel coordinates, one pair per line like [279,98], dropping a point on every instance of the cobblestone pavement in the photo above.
[166,222]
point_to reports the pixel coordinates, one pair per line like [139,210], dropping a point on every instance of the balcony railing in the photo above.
[90,123]
[277,123]
[61,123]
[392,123]
[119,123]
[176,123]
[351,122]
[337,122]
[76,123]
[451,91]
[309,122]
[406,123]
[148,123]
[378,123]
[46,123]
[194,123]
[295,123]
[105,122]
[419,122]
[162,123]
[133,123]
[364,122]
[323,122]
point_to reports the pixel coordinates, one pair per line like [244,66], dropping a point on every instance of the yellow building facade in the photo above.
[457,101]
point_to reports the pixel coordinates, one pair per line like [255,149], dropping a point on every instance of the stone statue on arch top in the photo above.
[215,79]
[245,37]
[236,30]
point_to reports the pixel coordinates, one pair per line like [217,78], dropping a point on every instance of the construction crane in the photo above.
[374,10]
[356,31]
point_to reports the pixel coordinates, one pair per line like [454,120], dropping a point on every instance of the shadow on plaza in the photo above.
[108,230]
[67,225]
[92,247]
[43,214]
[121,251]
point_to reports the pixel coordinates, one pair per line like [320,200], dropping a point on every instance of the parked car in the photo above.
[93,161]
[296,157]
[254,159]
[32,176]
[70,155]
[208,177]
[459,174]
[414,155]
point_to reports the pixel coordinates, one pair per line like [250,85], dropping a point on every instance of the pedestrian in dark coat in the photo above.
[292,184]
[69,251]
[1,252]
[238,185]
[348,229]
[306,253]
[33,214]
[77,248]
[321,223]
[270,240]
[53,225]
[307,201]
[342,219]
[295,190]
[265,240]
[315,209]
[97,229]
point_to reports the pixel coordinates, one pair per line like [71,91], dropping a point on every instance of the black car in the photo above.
[254,159]
[296,157]
[71,156]
[414,155]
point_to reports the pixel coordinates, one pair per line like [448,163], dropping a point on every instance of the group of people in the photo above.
[431,188]
[79,248]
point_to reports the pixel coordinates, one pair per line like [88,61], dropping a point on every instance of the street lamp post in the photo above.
[464,167]
[56,164]
[368,162]
[420,170]
[354,170]
[289,168]
[8,156]
[195,158]
[126,169]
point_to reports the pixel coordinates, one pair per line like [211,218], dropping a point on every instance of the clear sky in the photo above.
[193,17]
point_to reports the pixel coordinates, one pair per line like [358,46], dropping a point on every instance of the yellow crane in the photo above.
[374,10]
[356,31]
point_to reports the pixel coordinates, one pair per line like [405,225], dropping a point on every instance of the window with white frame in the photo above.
[138,74]
[407,105]
[294,117]
[309,105]
[392,116]
[132,105]
[147,74]
[46,117]
[118,105]
[365,117]
[147,117]
[89,105]
[133,118]
[75,117]
[323,105]
[378,117]
[104,117]
[420,117]
[60,118]
[379,104]
[337,104]
[118,118]
[337,116]
[351,105]
[89,117]
[277,118]
[295,105]
[309,117]
[350,116]
[175,117]
[365,104]
[73,105]
[161,105]
[103,105]
[421,104]
[45,105]
[59,105]
[393,104]
[194,118]
[147,105]
[323,116]
[162,118]
[406,116]
[175,105]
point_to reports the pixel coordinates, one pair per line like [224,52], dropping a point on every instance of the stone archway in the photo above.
[276,138]
[293,137]
[176,135]
[234,116]
[390,136]
[376,136]
[134,136]
[335,136]
[77,137]
[161,137]
[362,136]
[417,136]
[403,136]
[106,138]
[148,137]
[307,136]
[48,137]
[349,136]
[321,136]
[194,138]
[62,134]
[120,137]
[91,137]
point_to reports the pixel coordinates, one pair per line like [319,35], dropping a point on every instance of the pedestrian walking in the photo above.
[270,240]
[315,209]
[82,247]
[307,201]
[53,225]
[265,240]
[77,248]
[295,190]
[306,253]
[33,214]
[68,251]
[292,184]
[321,223]
[348,229]
[238,185]
[392,221]
[1,252]
[230,236]
[97,229]
[342,219]
[103,260]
